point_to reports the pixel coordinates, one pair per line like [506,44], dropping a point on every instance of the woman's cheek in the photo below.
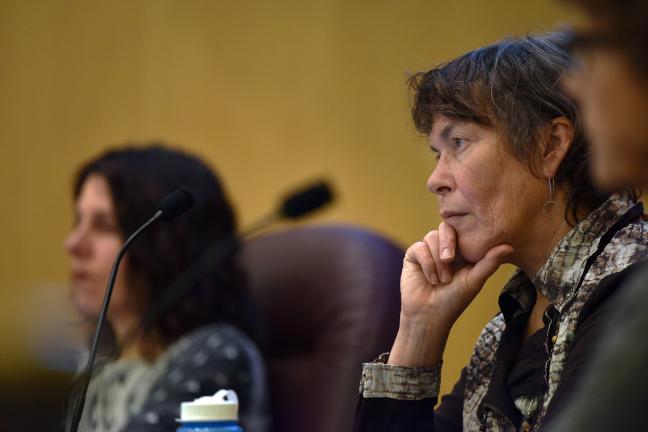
[481,233]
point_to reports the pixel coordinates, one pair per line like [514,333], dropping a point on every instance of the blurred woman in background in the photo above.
[610,82]
[201,343]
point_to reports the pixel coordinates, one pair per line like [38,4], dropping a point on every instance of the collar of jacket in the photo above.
[558,279]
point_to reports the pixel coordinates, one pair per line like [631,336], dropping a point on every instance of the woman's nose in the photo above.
[440,181]
[76,242]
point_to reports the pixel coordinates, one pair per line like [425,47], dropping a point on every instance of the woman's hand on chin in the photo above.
[436,287]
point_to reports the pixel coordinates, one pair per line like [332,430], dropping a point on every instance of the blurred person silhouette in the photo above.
[513,183]
[610,82]
[204,342]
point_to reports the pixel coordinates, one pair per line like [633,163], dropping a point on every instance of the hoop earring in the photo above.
[549,207]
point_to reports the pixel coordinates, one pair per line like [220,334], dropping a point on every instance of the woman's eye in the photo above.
[105,226]
[459,142]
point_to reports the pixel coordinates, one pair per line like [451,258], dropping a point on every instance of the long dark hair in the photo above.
[139,177]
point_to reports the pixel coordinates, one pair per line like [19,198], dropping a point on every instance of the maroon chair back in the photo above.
[330,299]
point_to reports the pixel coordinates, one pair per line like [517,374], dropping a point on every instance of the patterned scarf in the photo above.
[568,282]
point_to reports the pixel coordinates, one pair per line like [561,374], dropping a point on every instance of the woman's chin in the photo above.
[472,251]
[86,308]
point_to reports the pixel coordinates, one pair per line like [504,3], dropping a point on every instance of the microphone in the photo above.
[169,208]
[294,206]
[176,203]
[306,200]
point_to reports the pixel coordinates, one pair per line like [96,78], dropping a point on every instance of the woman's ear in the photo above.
[557,140]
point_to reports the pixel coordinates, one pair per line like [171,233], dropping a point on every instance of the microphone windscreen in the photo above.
[306,200]
[176,203]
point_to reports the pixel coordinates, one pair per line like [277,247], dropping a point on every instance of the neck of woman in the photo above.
[545,231]
[142,348]
[133,343]
[535,258]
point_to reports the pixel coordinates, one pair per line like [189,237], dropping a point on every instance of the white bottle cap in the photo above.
[222,406]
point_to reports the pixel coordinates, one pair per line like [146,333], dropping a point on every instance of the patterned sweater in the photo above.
[137,396]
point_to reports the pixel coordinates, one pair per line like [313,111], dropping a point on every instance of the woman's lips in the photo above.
[452,215]
[80,276]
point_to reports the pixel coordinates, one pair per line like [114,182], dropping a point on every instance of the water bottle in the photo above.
[218,413]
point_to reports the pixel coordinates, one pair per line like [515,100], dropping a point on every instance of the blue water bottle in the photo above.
[218,413]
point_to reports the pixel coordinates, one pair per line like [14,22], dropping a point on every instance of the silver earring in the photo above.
[549,207]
